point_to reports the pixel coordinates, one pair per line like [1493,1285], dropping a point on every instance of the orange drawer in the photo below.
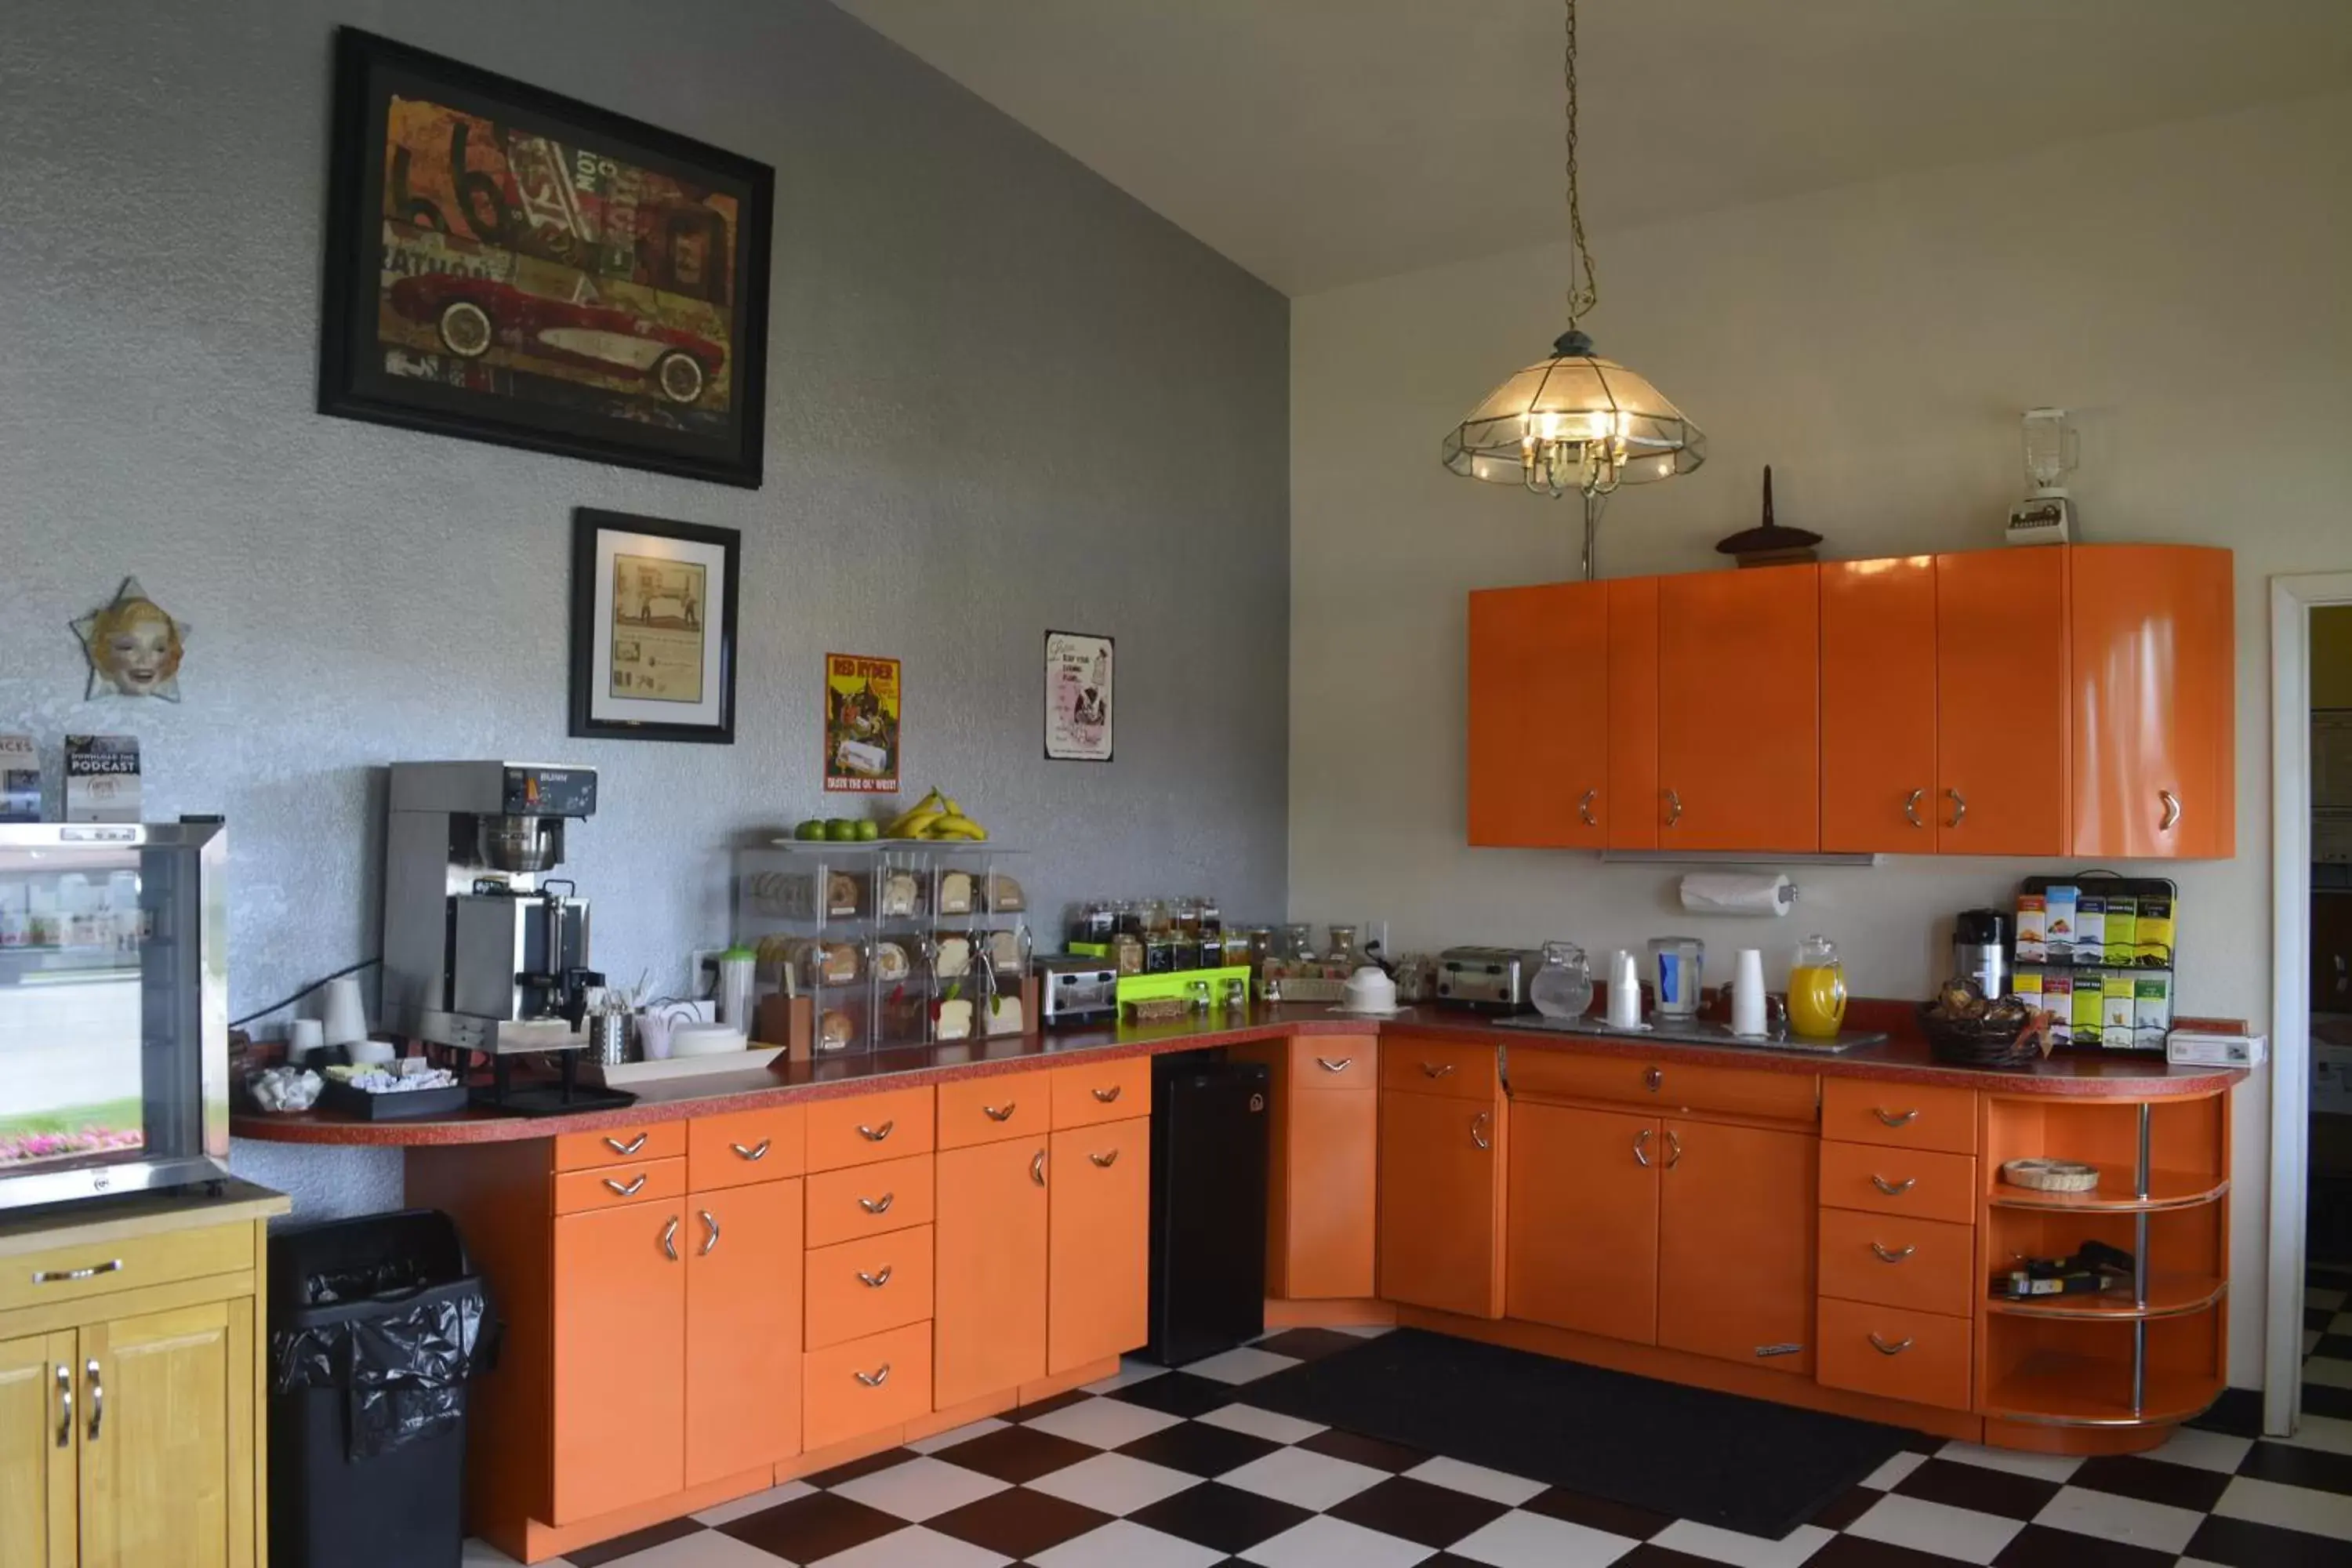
[868,1200]
[1421,1066]
[610,1186]
[1335,1061]
[1913,1182]
[1925,1264]
[1665,1084]
[579,1150]
[1896,1355]
[1105,1092]
[986,1110]
[861,1288]
[849,1390]
[744,1146]
[869,1128]
[1875,1111]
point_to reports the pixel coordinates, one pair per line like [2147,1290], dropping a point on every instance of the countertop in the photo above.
[86,1221]
[1904,1058]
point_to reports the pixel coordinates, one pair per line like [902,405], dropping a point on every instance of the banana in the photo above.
[949,801]
[918,826]
[902,825]
[957,826]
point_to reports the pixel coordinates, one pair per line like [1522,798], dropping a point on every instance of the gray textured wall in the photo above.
[1002,397]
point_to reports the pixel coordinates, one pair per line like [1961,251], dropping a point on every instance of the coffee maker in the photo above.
[482,950]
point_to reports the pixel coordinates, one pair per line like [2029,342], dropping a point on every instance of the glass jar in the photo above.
[1298,943]
[1184,915]
[1127,918]
[1159,953]
[1562,988]
[1126,953]
[1343,948]
[1213,919]
[1262,946]
[1817,989]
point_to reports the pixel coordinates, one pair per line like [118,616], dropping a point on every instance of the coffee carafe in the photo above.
[1980,951]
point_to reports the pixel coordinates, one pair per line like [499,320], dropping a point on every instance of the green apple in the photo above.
[814,828]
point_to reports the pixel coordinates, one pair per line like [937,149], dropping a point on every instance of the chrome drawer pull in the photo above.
[631,1147]
[1585,807]
[1887,1257]
[97,1396]
[68,1275]
[1104,1160]
[995,1115]
[879,1205]
[1959,809]
[628,1190]
[757,1151]
[712,1239]
[1899,1118]
[873,1379]
[1652,1080]
[1674,808]
[1883,1348]
[875,1134]
[875,1281]
[1477,1133]
[2171,811]
[670,1238]
[1327,1065]
[65,1405]
[1107,1095]
[1673,1148]
[1641,1148]
[1436,1070]
[1037,1168]
[1911,807]
[1894,1189]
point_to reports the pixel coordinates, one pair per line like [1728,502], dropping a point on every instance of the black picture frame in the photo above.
[1107,716]
[656,428]
[589,525]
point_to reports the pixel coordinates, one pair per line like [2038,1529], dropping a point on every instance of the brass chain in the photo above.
[1582,292]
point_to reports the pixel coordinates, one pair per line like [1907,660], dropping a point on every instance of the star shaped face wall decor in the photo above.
[133,647]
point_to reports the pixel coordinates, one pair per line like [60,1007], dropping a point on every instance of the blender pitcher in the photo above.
[1678,964]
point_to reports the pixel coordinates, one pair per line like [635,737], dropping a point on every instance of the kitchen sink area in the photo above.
[1698,1032]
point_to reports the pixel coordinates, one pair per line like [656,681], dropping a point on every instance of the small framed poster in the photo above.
[653,628]
[861,724]
[1078,673]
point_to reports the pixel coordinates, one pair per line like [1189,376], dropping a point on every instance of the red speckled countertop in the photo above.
[1903,1057]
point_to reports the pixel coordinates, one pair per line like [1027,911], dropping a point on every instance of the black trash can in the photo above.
[375,1323]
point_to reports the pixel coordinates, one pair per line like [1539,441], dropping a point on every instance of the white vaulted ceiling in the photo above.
[1319,143]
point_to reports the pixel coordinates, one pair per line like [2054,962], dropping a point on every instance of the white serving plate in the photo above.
[626,1073]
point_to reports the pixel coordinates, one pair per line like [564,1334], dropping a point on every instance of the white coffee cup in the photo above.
[342,1013]
[303,1036]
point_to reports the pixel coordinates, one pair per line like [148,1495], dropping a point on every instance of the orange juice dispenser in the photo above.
[1817,990]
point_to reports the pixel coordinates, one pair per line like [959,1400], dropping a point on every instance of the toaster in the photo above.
[1486,979]
[1073,990]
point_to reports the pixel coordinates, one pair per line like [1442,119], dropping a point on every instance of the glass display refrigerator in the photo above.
[114,1009]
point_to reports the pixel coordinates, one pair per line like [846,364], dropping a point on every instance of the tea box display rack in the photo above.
[2098,950]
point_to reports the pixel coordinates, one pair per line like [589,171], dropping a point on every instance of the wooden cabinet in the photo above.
[743,1311]
[1539,752]
[1739,710]
[992,1236]
[155,1435]
[2154,701]
[1440,1195]
[1879,706]
[1582,1249]
[1331,1162]
[1631,801]
[38,1474]
[1098,1241]
[1736,1248]
[2001,750]
[619,1348]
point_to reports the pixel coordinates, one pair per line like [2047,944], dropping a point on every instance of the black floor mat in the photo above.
[1688,1453]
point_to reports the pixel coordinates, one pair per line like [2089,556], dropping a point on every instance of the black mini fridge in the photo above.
[1209,1121]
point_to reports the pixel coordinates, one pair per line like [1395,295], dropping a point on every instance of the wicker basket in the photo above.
[1974,1043]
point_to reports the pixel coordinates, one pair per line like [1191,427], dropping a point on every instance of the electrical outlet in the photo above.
[702,970]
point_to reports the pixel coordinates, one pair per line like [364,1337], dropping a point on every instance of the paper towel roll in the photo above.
[1730,893]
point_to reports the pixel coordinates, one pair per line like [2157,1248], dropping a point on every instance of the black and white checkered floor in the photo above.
[1175,1469]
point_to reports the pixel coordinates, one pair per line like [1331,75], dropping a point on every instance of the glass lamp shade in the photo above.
[1575,423]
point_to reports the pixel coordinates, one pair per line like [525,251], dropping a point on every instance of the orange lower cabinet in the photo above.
[990,1243]
[1330,1163]
[1099,1181]
[1583,1251]
[863,1287]
[1895,1353]
[1736,1227]
[743,1330]
[1441,1191]
[619,1358]
[849,1390]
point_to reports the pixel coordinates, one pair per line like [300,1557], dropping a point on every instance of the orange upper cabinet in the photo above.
[1740,729]
[2155,701]
[2001,752]
[1538,749]
[1441,1199]
[1878,705]
[1632,715]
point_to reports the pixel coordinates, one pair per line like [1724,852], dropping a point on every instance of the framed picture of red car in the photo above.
[509,265]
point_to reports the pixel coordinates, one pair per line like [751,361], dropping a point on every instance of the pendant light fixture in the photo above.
[1575,423]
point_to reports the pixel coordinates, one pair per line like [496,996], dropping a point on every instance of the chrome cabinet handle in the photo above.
[1911,807]
[625,1150]
[879,1205]
[65,1405]
[1004,1115]
[1641,1148]
[1887,1257]
[873,1379]
[670,1238]
[1652,1080]
[1959,809]
[757,1151]
[1436,1070]
[1895,1119]
[97,1396]
[68,1276]
[1104,1160]
[1327,1065]
[1107,1095]
[1674,1149]
[712,1239]
[875,1134]
[2171,810]
[1883,1348]
[1894,1189]
[1477,1135]
[1037,1168]
[1585,807]
[1674,808]
[628,1190]
[875,1281]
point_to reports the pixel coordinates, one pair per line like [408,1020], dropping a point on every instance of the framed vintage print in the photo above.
[508,265]
[1078,673]
[861,724]
[653,628]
